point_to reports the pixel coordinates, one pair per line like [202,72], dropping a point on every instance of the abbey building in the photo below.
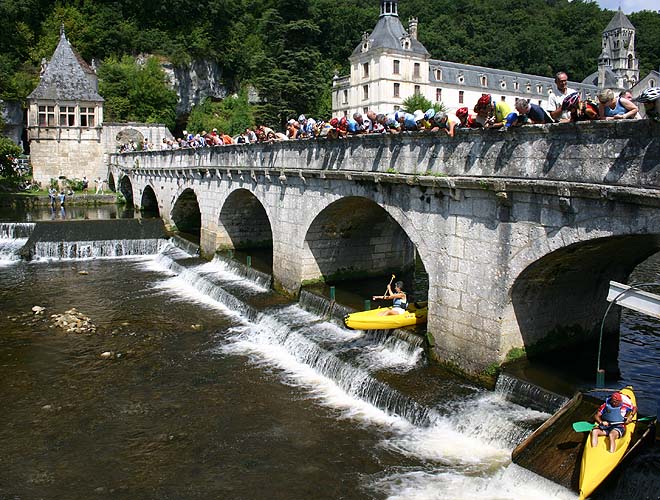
[390,64]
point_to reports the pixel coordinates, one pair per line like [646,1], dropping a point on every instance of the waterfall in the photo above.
[13,236]
[96,249]
[16,230]
[261,279]
[527,394]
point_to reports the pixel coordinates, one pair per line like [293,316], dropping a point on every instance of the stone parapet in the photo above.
[621,153]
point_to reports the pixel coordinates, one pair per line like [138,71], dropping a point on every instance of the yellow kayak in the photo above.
[598,462]
[371,320]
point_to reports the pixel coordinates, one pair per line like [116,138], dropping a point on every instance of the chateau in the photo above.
[390,64]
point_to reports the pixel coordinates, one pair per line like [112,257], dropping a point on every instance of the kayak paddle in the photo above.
[589,426]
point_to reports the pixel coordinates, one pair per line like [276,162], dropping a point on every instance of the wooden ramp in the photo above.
[554,450]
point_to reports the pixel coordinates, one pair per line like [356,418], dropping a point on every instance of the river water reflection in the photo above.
[212,386]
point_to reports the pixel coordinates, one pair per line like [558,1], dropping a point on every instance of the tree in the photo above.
[8,151]
[136,92]
[418,101]
[232,115]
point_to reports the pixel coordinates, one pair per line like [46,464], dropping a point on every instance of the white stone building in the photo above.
[390,64]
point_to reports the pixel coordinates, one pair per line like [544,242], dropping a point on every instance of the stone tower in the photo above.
[65,118]
[618,53]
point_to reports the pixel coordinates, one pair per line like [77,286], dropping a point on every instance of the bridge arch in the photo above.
[243,222]
[149,202]
[126,189]
[355,236]
[559,299]
[186,214]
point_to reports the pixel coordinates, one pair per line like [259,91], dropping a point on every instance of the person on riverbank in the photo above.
[52,192]
[62,197]
[612,417]
[85,184]
[99,186]
[400,301]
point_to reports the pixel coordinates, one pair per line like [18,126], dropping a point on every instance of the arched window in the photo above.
[631,62]
[484,80]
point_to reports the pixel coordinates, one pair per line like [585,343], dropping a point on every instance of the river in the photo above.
[201,383]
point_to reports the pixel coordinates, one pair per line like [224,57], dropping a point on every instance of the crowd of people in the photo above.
[565,105]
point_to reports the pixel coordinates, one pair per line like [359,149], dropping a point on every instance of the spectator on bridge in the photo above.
[355,125]
[615,108]
[392,124]
[556,99]
[533,113]
[407,121]
[579,109]
[446,122]
[466,119]
[611,417]
[650,99]
[495,112]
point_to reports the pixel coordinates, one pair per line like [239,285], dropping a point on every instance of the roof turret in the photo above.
[389,33]
[64,78]
[619,21]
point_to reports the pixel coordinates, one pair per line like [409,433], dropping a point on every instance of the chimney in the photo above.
[412,28]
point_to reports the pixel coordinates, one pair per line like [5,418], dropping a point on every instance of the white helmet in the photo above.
[649,95]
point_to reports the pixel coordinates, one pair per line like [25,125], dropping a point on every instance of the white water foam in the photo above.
[220,269]
[466,455]
[9,249]
[507,483]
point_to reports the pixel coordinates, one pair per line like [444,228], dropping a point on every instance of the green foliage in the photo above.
[232,115]
[136,92]
[418,101]
[289,51]
[8,151]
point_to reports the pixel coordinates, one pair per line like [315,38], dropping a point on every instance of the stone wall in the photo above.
[71,152]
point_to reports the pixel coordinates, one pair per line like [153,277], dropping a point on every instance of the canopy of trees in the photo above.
[289,51]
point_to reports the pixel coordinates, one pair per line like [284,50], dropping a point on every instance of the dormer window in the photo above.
[365,42]
[539,89]
[528,87]
[502,84]
[405,42]
[484,80]
[516,86]
[461,78]
[438,74]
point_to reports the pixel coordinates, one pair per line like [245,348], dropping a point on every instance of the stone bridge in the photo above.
[520,232]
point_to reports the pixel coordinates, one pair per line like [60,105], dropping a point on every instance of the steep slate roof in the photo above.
[64,78]
[387,35]
[619,21]
[611,81]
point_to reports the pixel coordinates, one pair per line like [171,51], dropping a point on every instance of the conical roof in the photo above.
[619,21]
[64,78]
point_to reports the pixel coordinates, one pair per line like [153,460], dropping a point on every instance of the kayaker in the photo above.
[612,417]
[400,302]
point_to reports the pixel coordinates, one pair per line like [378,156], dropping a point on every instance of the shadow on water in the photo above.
[67,212]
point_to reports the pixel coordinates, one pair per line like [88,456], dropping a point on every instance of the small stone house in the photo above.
[65,119]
